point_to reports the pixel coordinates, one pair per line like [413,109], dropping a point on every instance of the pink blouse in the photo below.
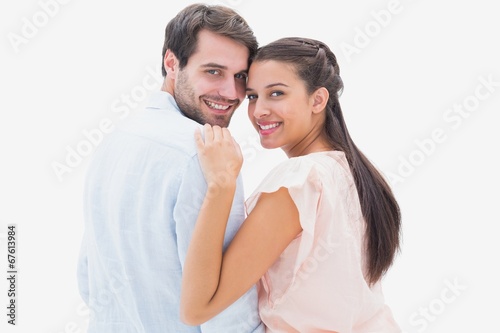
[318,283]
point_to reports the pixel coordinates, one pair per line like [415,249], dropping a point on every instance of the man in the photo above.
[144,186]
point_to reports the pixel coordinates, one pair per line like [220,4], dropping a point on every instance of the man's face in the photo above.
[212,84]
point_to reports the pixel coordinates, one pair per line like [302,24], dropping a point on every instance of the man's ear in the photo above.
[320,98]
[171,64]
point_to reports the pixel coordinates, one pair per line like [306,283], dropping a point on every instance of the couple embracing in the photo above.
[170,244]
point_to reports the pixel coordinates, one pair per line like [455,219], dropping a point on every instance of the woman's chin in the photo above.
[268,145]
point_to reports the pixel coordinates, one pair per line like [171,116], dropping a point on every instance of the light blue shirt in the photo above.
[143,190]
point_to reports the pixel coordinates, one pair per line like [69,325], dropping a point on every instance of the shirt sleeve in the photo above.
[303,180]
[242,316]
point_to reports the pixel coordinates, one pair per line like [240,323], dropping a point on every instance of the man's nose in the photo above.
[230,89]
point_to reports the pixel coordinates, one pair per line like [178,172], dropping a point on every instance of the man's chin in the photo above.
[222,121]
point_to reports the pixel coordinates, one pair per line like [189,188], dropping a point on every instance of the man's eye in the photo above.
[213,71]
[241,76]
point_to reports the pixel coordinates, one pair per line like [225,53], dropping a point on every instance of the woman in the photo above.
[322,228]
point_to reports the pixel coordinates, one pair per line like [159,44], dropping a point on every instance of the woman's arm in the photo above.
[213,280]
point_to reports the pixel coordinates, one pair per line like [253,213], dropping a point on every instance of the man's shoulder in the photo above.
[163,127]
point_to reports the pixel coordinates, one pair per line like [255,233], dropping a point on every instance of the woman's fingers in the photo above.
[212,134]
[198,139]
[218,153]
[226,134]
[209,133]
[217,133]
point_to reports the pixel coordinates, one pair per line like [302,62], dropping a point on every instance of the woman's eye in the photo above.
[251,97]
[276,93]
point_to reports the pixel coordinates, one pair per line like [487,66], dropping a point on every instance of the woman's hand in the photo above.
[220,156]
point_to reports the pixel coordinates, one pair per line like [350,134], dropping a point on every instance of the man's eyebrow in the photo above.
[270,86]
[219,66]
[213,65]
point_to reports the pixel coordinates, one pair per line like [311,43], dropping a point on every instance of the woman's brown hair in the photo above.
[317,66]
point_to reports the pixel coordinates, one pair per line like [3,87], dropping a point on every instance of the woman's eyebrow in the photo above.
[271,85]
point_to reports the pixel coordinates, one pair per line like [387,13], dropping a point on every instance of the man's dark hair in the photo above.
[181,33]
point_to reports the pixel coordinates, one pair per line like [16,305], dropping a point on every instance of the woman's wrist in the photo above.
[224,185]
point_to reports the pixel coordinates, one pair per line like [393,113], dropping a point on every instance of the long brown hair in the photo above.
[317,66]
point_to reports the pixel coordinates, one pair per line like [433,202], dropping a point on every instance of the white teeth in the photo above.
[217,106]
[266,127]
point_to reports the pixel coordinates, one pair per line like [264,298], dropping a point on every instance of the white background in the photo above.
[402,80]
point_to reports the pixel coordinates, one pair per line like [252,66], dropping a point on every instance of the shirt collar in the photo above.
[162,100]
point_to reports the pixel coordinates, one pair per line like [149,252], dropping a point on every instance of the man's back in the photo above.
[143,191]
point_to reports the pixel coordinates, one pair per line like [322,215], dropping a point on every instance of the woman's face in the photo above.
[280,109]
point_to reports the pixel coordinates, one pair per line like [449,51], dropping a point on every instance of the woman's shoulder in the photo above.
[323,163]
[315,168]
